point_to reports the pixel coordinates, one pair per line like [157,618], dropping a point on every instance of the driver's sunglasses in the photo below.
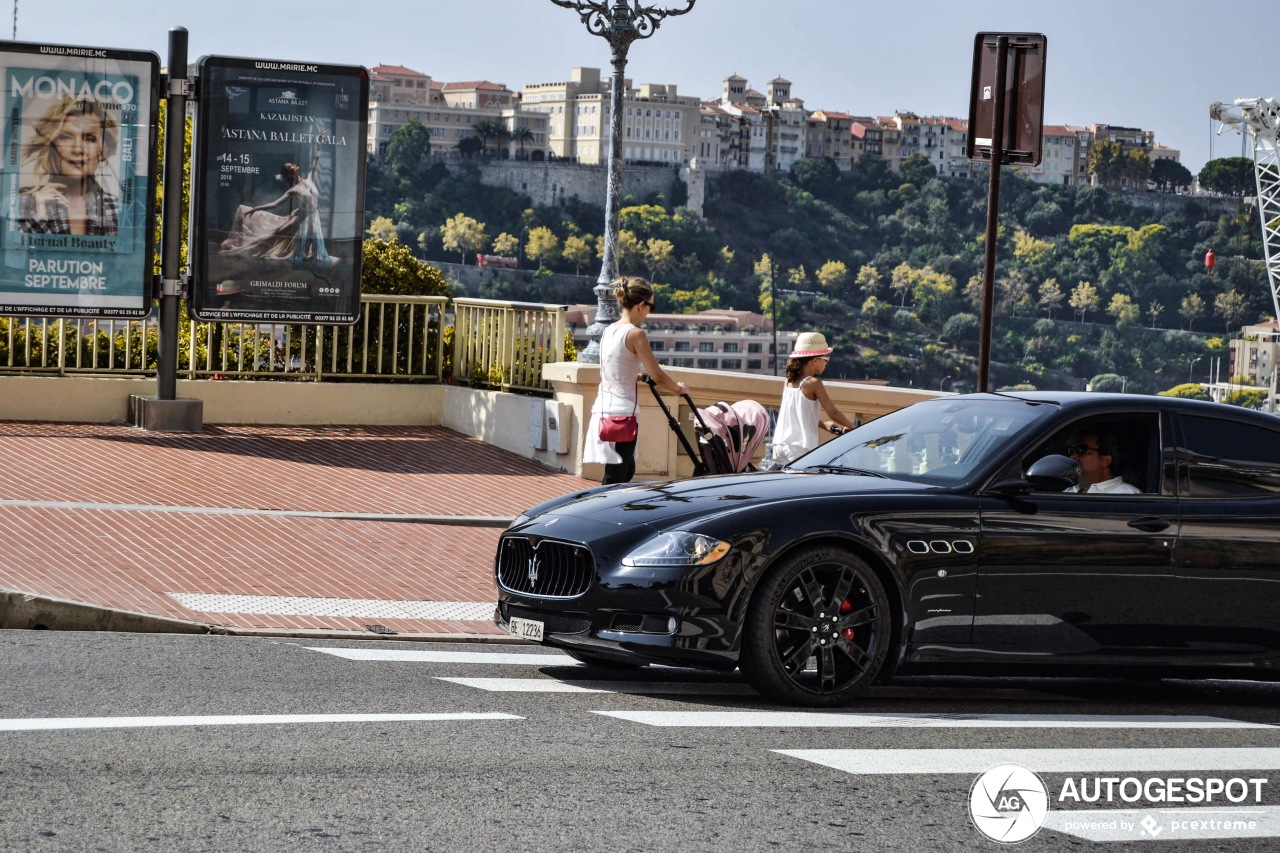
[1080,449]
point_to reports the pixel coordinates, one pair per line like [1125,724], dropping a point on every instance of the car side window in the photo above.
[1134,439]
[1227,459]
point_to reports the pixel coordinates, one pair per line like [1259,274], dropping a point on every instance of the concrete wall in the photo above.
[85,399]
[501,419]
[552,182]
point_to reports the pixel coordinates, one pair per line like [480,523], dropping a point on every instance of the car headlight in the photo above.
[678,549]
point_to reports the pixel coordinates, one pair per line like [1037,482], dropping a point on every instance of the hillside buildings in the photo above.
[741,129]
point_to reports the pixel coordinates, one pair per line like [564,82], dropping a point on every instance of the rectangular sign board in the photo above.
[1022,140]
[277,215]
[76,221]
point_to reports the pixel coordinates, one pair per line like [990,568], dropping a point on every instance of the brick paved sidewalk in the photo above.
[251,527]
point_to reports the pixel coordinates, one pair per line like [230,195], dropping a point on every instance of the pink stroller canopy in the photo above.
[741,426]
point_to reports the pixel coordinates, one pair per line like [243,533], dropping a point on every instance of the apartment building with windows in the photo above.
[741,341]
[449,111]
[831,135]
[1256,353]
[659,124]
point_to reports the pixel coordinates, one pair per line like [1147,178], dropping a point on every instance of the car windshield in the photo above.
[942,440]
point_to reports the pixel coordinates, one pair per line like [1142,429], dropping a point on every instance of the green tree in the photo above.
[1106,162]
[542,246]
[1084,298]
[1051,296]
[408,147]
[1154,310]
[1247,398]
[577,251]
[462,234]
[506,244]
[1191,309]
[521,135]
[798,278]
[658,257]
[382,228]
[832,275]
[1229,175]
[389,267]
[470,146]
[1169,175]
[1107,383]
[902,280]
[1137,168]
[917,170]
[1122,308]
[1231,307]
[868,280]
[1189,390]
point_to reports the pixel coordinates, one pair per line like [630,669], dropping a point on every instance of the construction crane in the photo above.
[1260,119]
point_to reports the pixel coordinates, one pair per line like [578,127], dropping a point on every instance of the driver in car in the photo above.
[1097,454]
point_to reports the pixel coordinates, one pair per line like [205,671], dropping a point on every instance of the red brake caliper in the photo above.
[846,607]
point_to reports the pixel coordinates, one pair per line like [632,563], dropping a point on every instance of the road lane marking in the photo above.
[59,723]
[816,719]
[354,608]
[933,762]
[425,656]
[556,685]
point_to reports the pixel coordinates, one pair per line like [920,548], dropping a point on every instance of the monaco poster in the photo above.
[278,198]
[78,158]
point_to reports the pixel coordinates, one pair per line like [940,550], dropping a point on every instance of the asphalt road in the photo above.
[91,757]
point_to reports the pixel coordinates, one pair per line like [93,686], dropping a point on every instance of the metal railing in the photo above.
[397,338]
[505,344]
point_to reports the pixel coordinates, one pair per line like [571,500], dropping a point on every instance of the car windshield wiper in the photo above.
[845,469]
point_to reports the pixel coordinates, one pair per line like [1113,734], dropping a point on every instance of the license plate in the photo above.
[527,629]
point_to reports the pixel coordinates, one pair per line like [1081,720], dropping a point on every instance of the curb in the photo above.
[27,611]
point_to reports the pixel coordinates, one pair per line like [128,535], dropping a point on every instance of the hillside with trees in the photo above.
[889,265]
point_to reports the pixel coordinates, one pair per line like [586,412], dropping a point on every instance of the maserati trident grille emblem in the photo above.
[533,569]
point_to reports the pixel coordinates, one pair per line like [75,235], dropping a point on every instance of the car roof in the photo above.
[1111,400]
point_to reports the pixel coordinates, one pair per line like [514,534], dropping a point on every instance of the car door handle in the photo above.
[1150,523]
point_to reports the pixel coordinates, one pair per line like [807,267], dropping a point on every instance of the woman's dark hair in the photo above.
[631,291]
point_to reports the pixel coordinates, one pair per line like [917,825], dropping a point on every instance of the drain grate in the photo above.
[355,608]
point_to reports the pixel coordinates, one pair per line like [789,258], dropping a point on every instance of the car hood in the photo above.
[669,502]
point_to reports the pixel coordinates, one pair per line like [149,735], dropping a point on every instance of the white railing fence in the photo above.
[397,338]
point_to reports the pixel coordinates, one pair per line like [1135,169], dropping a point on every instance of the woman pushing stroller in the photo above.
[805,400]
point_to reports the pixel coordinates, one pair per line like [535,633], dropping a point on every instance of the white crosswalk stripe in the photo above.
[818,719]
[556,685]
[428,656]
[929,762]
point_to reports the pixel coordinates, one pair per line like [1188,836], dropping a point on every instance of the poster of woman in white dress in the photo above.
[278,212]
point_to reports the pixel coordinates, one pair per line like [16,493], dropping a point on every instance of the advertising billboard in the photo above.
[77,226]
[278,191]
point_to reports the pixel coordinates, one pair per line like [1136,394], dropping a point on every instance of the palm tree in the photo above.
[522,135]
[486,129]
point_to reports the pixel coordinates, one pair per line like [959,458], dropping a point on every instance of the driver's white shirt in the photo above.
[1115,486]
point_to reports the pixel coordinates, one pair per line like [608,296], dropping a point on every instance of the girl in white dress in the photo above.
[804,400]
[624,354]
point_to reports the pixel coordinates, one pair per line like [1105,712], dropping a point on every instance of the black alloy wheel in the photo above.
[818,630]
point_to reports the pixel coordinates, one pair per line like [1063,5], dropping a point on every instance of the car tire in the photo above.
[818,629]
[600,662]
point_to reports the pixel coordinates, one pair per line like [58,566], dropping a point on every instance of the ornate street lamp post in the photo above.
[620,25]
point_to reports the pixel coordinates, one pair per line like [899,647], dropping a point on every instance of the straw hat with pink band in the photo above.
[809,345]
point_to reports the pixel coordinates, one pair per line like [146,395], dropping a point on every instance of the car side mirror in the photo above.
[1054,473]
[1049,474]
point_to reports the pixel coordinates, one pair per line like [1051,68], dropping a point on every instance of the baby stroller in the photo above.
[728,435]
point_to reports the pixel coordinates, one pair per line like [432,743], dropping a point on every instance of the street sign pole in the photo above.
[1006,100]
[993,215]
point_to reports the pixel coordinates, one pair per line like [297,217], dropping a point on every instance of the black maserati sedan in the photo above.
[997,533]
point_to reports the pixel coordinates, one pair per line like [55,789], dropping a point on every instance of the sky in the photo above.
[1153,64]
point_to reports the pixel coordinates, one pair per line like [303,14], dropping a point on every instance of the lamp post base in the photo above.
[606,314]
